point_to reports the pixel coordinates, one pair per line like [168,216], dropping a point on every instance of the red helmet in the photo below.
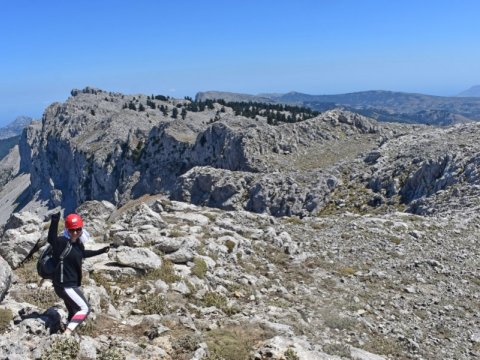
[73,221]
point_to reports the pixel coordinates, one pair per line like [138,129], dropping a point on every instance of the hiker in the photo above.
[68,274]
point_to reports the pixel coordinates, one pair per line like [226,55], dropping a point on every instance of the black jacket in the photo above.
[72,263]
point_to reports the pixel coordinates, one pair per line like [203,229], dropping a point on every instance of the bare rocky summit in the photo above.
[336,237]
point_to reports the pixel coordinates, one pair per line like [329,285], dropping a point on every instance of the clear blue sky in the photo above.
[178,48]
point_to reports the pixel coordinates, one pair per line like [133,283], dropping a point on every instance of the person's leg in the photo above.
[82,308]
[71,305]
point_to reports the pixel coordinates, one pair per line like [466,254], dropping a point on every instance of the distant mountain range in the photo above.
[10,134]
[15,128]
[7,144]
[381,105]
[474,91]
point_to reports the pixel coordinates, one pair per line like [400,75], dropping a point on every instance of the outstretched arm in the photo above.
[90,253]
[53,229]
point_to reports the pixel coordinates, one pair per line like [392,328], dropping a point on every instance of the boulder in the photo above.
[138,258]
[21,235]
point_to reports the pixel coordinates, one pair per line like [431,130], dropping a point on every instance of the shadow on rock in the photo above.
[33,322]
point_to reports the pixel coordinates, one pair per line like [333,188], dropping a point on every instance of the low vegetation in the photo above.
[5,317]
[64,348]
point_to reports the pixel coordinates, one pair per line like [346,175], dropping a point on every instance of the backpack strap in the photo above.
[64,254]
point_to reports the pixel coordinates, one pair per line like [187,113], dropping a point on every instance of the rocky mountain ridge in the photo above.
[336,237]
[92,147]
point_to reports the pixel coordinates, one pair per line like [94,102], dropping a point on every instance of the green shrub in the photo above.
[230,244]
[111,354]
[215,299]
[188,342]
[166,273]
[290,354]
[62,349]
[220,302]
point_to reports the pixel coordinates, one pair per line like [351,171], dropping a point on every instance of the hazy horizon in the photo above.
[181,48]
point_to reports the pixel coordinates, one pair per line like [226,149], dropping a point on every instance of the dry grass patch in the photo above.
[41,298]
[235,342]
[199,268]
[27,271]
[319,226]
[6,316]
[106,325]
[174,233]
[338,350]
[335,321]
[385,346]
[346,271]
[294,220]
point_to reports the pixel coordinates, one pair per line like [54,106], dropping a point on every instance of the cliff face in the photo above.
[94,146]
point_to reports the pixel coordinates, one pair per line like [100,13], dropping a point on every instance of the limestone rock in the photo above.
[5,277]
[22,233]
[138,258]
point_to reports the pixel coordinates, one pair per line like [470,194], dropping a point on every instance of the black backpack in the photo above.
[47,264]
